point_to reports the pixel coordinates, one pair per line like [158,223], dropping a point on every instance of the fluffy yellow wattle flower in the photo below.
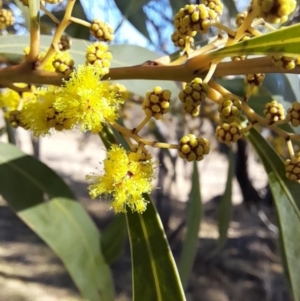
[88,100]
[10,99]
[126,177]
[40,115]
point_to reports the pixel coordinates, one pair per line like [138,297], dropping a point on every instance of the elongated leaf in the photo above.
[10,132]
[76,30]
[230,4]
[285,41]
[258,102]
[133,11]
[113,239]
[155,276]
[25,13]
[293,86]
[285,86]
[224,208]
[287,204]
[2,131]
[235,86]
[128,8]
[46,204]
[282,87]
[139,21]
[160,137]
[193,218]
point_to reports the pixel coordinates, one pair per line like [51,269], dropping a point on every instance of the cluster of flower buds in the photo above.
[255,79]
[292,168]
[101,31]
[193,148]
[6,18]
[230,110]
[63,63]
[157,102]
[228,132]
[97,54]
[193,94]
[274,111]
[195,18]
[274,11]
[293,114]
[284,62]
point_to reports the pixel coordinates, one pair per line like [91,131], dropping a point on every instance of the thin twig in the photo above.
[34,9]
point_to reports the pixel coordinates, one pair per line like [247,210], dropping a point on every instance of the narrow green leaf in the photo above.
[46,204]
[45,19]
[139,21]
[131,7]
[25,13]
[258,103]
[285,86]
[155,276]
[133,11]
[193,219]
[230,4]
[10,132]
[285,41]
[293,87]
[77,30]
[235,86]
[2,131]
[159,137]
[287,204]
[113,239]
[74,30]
[224,208]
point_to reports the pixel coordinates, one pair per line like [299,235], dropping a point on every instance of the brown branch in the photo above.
[159,72]
[251,66]
[184,73]
[7,61]
[25,72]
